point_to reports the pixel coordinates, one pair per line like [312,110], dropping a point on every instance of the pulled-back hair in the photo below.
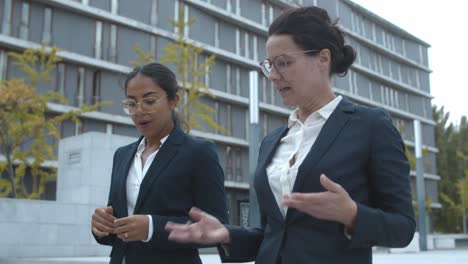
[312,29]
[161,76]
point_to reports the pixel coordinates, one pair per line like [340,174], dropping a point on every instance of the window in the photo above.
[271,14]
[207,76]
[229,163]
[7,9]
[98,40]
[153,46]
[228,6]
[229,118]
[186,19]
[228,78]
[255,47]
[265,125]
[238,9]
[238,165]
[264,18]
[154,13]
[397,103]
[264,92]
[216,34]
[238,47]
[374,37]
[3,64]
[61,78]
[237,81]
[80,87]
[113,44]
[96,89]
[47,30]
[216,114]
[246,45]
[78,128]
[24,26]
[114,6]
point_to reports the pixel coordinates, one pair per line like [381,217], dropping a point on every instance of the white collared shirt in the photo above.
[297,142]
[135,176]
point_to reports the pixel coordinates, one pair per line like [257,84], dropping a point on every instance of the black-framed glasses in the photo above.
[280,62]
[147,105]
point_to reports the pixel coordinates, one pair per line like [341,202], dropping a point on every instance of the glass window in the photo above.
[60,80]
[47,30]
[24,26]
[96,87]
[6,24]
[114,6]
[98,40]
[3,64]
[140,10]
[80,94]
[113,44]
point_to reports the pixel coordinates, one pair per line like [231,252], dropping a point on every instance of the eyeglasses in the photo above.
[280,62]
[147,105]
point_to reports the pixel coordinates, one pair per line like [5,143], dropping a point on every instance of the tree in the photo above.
[25,125]
[142,57]
[184,54]
[452,142]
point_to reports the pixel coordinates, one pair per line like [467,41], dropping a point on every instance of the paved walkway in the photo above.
[431,257]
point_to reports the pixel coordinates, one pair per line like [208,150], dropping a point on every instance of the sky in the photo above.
[444,25]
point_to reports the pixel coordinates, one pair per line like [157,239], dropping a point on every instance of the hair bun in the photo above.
[349,55]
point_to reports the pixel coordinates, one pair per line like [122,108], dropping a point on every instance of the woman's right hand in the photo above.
[205,230]
[102,221]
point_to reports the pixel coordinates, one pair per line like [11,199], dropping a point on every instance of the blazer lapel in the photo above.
[124,168]
[330,130]
[270,146]
[164,156]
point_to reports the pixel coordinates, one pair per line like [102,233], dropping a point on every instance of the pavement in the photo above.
[458,256]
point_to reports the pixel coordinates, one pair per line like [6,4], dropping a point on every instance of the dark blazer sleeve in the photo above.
[109,239]
[245,243]
[389,219]
[207,194]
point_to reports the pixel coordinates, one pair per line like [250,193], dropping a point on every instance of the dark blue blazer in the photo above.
[184,173]
[360,149]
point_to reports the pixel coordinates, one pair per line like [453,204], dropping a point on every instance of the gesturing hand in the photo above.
[102,221]
[335,204]
[206,230]
[132,228]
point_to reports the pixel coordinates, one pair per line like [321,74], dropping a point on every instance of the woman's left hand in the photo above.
[335,204]
[132,228]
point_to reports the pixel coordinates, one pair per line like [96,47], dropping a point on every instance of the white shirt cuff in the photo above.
[347,235]
[150,228]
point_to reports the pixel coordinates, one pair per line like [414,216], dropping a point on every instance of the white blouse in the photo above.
[296,143]
[135,176]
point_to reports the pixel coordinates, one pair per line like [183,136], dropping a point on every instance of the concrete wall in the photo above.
[61,228]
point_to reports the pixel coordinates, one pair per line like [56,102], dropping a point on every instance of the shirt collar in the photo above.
[324,112]
[142,144]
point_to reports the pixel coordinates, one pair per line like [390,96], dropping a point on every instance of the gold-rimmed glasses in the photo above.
[280,62]
[147,105]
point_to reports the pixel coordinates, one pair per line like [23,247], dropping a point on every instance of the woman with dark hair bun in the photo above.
[333,182]
[158,178]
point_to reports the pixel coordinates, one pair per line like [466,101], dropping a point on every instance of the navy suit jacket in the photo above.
[184,173]
[360,149]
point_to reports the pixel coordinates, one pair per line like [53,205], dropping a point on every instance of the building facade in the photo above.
[97,39]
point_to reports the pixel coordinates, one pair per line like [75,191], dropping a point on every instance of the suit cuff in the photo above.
[150,229]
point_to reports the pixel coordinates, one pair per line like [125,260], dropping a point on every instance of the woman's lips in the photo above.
[284,89]
[143,124]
